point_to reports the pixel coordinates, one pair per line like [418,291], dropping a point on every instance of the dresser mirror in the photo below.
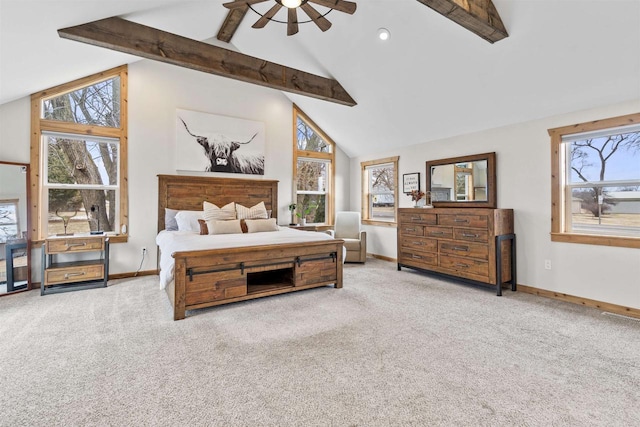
[467,181]
[15,248]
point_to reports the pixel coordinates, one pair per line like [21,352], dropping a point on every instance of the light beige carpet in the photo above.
[390,348]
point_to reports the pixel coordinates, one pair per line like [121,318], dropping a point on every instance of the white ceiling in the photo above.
[431,80]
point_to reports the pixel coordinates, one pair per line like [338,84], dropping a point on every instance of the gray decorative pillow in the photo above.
[170,223]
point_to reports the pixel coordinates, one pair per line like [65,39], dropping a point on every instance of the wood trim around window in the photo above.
[331,157]
[557,222]
[364,199]
[38,125]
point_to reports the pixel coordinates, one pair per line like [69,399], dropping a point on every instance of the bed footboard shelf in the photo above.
[221,276]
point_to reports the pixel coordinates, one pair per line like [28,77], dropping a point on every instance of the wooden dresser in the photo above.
[476,244]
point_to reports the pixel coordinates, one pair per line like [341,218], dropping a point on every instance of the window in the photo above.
[79,136]
[9,220]
[596,182]
[313,160]
[379,183]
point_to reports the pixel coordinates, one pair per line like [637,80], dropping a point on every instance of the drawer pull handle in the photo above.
[470,235]
[418,243]
[437,233]
[416,256]
[462,265]
[460,220]
[415,218]
[410,229]
[72,245]
[68,275]
[461,248]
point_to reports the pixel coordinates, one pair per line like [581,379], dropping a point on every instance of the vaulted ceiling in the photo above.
[431,79]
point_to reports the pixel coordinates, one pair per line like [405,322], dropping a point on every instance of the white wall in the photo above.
[156,90]
[607,274]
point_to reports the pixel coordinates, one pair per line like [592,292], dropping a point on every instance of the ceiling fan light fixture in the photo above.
[383,34]
[291,4]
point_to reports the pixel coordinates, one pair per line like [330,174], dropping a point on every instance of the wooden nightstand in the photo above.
[320,228]
[61,276]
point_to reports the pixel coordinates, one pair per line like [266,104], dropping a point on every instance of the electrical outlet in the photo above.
[547,264]
[144,250]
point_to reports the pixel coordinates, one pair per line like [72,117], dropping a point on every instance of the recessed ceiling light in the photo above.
[383,34]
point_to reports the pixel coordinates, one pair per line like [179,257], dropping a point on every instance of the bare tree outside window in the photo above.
[602,170]
[78,165]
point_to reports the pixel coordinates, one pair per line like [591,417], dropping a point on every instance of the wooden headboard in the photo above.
[184,192]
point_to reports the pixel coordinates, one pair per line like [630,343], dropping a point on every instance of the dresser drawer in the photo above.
[471,235]
[74,274]
[411,230]
[471,250]
[459,220]
[439,232]
[466,265]
[419,258]
[419,218]
[419,243]
[63,246]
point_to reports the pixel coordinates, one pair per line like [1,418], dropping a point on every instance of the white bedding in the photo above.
[177,241]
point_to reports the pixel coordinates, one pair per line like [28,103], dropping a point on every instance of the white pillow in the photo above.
[258,211]
[259,225]
[188,220]
[224,227]
[212,212]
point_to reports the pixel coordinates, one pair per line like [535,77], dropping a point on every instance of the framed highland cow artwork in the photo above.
[213,143]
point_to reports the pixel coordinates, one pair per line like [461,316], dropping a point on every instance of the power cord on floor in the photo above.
[144,252]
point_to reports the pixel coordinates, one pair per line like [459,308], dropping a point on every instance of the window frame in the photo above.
[328,158]
[558,188]
[39,126]
[364,180]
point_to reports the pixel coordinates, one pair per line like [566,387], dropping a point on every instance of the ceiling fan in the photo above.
[241,6]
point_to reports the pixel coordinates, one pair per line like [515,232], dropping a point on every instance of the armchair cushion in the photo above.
[347,225]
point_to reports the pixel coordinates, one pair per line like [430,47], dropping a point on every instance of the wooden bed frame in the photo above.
[206,278]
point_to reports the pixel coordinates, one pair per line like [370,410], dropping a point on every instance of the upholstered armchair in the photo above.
[348,229]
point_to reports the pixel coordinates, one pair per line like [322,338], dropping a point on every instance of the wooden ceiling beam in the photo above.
[151,43]
[231,23]
[477,16]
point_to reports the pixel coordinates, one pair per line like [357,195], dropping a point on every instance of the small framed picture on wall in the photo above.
[410,182]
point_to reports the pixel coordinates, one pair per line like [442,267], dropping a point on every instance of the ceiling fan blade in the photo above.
[340,5]
[241,3]
[292,22]
[322,22]
[260,23]
[231,23]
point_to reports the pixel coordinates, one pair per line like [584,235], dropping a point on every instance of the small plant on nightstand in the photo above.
[305,212]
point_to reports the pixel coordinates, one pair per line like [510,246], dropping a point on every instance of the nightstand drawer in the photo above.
[63,246]
[73,274]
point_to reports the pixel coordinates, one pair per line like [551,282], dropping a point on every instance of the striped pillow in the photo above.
[258,211]
[213,213]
